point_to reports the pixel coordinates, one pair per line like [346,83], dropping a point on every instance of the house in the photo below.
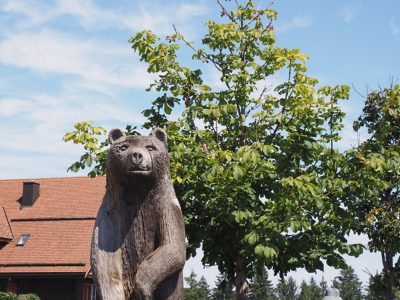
[45,235]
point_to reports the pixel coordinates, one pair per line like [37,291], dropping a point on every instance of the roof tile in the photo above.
[59,224]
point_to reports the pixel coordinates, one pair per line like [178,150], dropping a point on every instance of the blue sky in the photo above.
[66,61]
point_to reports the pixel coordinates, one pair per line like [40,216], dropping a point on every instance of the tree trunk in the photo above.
[241,283]
[388,270]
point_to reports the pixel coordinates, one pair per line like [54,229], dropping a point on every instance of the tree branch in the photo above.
[204,55]
[284,103]
[225,12]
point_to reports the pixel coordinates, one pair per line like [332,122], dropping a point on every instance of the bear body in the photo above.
[138,246]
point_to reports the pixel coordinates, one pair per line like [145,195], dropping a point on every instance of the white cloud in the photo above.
[349,13]
[156,17]
[34,121]
[32,131]
[300,21]
[43,120]
[97,63]
[11,107]
[160,19]
[394,27]
[34,12]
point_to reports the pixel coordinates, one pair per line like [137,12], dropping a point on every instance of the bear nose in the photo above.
[137,157]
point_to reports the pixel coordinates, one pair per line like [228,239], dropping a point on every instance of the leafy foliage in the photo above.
[373,180]
[255,177]
[12,296]
[28,297]
[252,156]
[8,296]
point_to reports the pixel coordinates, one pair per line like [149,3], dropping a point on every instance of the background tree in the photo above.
[252,157]
[372,171]
[223,289]
[348,284]
[377,284]
[198,289]
[316,290]
[323,285]
[305,293]
[375,287]
[261,287]
[286,289]
[310,291]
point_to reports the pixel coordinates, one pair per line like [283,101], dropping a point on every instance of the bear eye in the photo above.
[151,148]
[123,147]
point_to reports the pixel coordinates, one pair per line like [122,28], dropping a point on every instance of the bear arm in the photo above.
[169,257]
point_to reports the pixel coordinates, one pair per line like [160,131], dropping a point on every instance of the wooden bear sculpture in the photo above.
[138,246]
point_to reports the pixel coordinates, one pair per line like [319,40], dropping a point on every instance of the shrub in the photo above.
[8,296]
[28,297]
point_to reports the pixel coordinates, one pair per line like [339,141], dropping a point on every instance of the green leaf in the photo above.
[252,238]
[270,252]
[259,250]
[167,109]
[238,172]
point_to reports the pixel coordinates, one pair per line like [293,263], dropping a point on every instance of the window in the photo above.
[22,240]
[88,291]
[93,292]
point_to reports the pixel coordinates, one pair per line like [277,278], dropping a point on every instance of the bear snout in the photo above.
[137,158]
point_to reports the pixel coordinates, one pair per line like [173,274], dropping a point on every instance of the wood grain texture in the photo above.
[138,246]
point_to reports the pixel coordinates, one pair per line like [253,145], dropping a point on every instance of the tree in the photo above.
[198,289]
[253,163]
[372,173]
[316,291]
[375,287]
[310,291]
[286,290]
[223,289]
[323,285]
[305,293]
[349,286]
[261,287]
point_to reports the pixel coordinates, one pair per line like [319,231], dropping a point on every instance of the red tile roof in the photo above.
[59,225]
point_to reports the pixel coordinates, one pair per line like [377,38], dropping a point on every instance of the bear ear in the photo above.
[159,134]
[115,134]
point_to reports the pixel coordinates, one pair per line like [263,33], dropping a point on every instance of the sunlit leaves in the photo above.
[266,251]
[249,165]
[373,177]
[252,162]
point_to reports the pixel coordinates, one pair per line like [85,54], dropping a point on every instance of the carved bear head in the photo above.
[136,157]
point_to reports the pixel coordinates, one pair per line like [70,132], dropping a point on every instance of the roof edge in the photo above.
[47,178]
[73,264]
[41,219]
